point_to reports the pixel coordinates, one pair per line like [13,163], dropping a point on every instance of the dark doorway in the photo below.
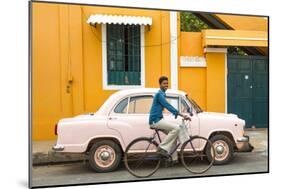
[247,89]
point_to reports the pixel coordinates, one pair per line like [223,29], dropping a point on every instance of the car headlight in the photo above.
[242,132]
[243,124]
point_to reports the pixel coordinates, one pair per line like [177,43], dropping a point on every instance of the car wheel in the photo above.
[104,156]
[223,148]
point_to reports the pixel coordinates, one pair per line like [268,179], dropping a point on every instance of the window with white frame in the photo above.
[123,59]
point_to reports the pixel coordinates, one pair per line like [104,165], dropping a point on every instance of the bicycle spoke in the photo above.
[195,161]
[143,156]
[141,164]
[194,158]
[201,155]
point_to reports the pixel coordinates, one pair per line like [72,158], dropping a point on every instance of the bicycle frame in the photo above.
[177,145]
[196,155]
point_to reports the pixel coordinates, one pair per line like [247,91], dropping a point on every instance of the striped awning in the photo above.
[119,19]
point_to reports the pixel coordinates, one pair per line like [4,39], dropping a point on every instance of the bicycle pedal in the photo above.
[169,162]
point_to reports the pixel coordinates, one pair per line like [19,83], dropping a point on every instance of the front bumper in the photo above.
[243,144]
[58,148]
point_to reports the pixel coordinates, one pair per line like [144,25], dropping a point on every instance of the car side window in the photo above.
[184,106]
[174,101]
[122,106]
[140,104]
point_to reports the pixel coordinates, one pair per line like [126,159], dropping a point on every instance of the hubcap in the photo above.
[221,150]
[104,156]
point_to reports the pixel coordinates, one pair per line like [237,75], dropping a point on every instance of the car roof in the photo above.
[146,90]
[127,92]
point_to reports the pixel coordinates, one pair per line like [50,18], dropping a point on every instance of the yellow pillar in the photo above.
[65,69]
[76,58]
[216,79]
[47,108]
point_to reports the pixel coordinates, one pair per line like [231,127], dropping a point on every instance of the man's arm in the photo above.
[162,100]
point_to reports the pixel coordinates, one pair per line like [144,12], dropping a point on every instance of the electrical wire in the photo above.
[134,36]
[133,44]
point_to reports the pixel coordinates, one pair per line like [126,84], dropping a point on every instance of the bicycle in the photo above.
[142,160]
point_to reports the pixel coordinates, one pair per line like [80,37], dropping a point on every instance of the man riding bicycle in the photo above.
[156,120]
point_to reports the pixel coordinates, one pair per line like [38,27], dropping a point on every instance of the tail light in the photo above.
[56,129]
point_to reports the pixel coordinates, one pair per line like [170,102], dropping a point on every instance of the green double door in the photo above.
[247,89]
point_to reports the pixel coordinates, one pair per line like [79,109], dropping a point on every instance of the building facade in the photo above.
[83,54]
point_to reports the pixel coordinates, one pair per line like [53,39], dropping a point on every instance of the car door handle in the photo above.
[112,118]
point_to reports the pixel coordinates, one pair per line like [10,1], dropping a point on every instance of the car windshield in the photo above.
[197,108]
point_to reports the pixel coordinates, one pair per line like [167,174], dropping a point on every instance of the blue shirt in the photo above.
[158,104]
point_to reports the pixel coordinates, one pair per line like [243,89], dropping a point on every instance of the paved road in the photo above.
[81,173]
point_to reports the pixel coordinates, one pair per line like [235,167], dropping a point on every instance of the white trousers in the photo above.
[172,130]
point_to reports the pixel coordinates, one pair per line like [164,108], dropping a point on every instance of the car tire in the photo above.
[224,149]
[104,156]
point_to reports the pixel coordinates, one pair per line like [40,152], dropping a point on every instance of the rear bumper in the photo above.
[58,148]
[243,144]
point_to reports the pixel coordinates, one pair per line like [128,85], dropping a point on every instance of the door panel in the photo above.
[194,124]
[133,122]
[239,83]
[260,91]
[247,89]
[130,126]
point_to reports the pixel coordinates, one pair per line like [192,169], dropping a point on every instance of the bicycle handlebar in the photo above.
[186,119]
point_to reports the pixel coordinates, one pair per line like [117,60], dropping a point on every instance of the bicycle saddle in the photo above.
[156,129]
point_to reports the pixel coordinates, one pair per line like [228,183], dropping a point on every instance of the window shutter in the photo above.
[123,54]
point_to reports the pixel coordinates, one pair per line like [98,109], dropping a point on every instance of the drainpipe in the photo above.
[174,50]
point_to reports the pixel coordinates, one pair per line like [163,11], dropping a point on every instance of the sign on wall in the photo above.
[193,61]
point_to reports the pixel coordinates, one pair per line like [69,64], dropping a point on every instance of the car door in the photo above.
[194,124]
[184,107]
[174,101]
[130,117]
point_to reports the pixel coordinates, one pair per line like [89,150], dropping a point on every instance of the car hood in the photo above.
[220,114]
[222,120]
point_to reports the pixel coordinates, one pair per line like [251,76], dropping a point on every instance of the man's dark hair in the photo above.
[162,78]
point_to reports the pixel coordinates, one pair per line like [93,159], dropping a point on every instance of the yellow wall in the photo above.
[193,80]
[49,99]
[65,48]
[67,63]
[238,22]
[206,85]
[215,82]
[191,44]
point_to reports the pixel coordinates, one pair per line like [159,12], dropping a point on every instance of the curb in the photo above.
[53,157]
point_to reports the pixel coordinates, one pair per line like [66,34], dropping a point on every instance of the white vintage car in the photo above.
[104,135]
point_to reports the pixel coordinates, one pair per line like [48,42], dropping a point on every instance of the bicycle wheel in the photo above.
[193,156]
[141,158]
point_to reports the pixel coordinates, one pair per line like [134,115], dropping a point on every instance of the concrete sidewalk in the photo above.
[258,138]
[43,153]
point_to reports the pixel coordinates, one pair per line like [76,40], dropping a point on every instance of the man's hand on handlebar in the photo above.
[185,117]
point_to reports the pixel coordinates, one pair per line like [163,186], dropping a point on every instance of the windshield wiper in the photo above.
[194,104]
[198,109]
